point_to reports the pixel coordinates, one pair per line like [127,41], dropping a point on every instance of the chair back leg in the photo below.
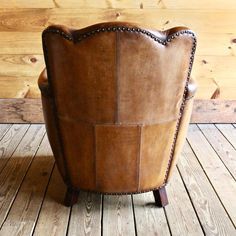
[160,196]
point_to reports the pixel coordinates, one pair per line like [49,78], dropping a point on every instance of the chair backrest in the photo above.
[118,75]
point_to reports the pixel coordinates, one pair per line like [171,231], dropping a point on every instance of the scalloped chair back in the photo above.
[116,104]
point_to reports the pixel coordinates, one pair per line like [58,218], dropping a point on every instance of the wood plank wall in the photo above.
[214,21]
[21,23]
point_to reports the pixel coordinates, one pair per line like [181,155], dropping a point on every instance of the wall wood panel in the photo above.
[21,23]
[160,4]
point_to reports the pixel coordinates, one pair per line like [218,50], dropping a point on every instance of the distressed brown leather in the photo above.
[50,121]
[117,103]
[183,128]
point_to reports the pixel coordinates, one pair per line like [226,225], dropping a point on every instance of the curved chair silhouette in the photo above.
[117,100]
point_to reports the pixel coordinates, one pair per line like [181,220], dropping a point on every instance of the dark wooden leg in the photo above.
[160,197]
[71,197]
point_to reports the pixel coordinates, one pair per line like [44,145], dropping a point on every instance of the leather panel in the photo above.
[156,143]
[78,140]
[152,82]
[83,77]
[117,154]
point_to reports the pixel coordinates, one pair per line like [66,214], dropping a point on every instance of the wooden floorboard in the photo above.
[10,141]
[118,216]
[86,216]
[14,171]
[222,147]
[212,215]
[229,131]
[215,170]
[3,129]
[201,191]
[24,211]
[54,216]
[181,215]
[147,215]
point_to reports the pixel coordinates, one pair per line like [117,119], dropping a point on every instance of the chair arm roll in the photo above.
[43,83]
[191,89]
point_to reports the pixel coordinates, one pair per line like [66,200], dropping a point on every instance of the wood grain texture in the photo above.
[214,111]
[21,111]
[180,212]
[229,131]
[21,65]
[36,19]
[15,169]
[21,26]
[54,216]
[25,208]
[148,216]
[3,129]
[24,87]
[17,42]
[167,4]
[211,213]
[215,169]
[220,69]
[118,215]
[86,216]
[218,66]
[10,141]
[221,145]
[206,87]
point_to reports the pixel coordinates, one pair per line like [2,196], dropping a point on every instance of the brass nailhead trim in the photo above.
[121,193]
[183,103]
[121,29]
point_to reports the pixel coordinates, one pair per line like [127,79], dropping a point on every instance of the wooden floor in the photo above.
[202,192]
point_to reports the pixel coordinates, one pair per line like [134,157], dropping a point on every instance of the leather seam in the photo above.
[119,124]
[139,157]
[117,77]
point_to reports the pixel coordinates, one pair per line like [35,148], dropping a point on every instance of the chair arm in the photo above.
[191,89]
[183,128]
[43,83]
[50,121]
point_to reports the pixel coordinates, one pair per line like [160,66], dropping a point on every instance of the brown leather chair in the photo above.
[117,100]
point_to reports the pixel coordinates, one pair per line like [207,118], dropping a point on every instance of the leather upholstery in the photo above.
[117,103]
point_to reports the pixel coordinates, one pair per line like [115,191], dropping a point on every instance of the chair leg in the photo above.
[71,197]
[160,196]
